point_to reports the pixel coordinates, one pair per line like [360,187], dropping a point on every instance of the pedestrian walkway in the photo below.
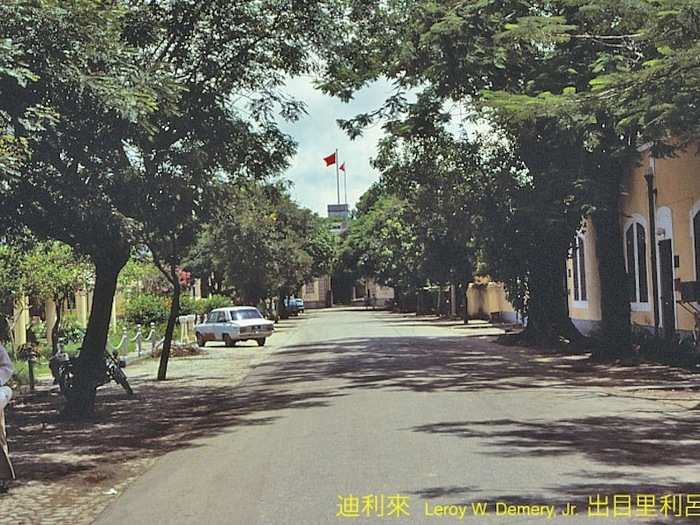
[68,472]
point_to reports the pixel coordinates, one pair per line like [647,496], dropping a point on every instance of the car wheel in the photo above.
[261,341]
[200,340]
[228,341]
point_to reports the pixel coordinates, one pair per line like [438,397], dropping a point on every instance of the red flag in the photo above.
[342,167]
[329,160]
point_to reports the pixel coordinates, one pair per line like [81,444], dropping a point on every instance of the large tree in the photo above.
[532,64]
[436,173]
[72,114]
[139,105]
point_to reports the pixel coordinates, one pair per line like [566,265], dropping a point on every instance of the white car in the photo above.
[232,324]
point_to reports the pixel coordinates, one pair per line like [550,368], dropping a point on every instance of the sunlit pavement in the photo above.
[366,404]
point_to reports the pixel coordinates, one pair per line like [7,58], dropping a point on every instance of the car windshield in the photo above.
[242,315]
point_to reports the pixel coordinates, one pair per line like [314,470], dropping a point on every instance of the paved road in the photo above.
[371,403]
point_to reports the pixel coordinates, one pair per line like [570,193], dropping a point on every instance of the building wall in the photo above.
[314,292]
[677,200]
[677,184]
[488,300]
[588,311]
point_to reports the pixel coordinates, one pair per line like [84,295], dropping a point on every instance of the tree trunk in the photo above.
[281,308]
[614,293]
[453,300]
[547,306]
[55,329]
[205,286]
[465,304]
[170,327]
[90,366]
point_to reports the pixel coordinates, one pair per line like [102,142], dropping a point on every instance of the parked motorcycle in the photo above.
[63,370]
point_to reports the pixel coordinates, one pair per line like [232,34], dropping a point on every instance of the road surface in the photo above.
[367,416]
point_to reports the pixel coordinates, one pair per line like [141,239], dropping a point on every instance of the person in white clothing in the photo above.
[6,471]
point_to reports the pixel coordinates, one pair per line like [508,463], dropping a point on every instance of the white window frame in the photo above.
[580,239]
[664,219]
[636,218]
[693,212]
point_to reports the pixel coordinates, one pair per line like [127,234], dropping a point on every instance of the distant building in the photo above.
[340,215]
[317,293]
[338,211]
[369,290]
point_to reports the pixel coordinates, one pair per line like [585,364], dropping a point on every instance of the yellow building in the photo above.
[676,240]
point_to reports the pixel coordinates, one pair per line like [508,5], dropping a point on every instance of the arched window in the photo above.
[636,259]
[579,261]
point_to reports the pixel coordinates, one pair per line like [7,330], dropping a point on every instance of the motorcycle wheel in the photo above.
[120,378]
[66,380]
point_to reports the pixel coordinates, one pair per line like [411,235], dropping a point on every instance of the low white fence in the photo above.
[151,342]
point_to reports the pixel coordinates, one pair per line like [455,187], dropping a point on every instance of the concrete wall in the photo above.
[488,300]
[314,292]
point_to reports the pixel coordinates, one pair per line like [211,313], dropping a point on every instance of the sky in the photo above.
[318,135]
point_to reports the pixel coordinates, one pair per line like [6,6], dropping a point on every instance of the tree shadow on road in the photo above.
[432,364]
[175,414]
[162,417]
[630,442]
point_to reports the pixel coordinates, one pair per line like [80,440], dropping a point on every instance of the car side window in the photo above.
[223,317]
[213,317]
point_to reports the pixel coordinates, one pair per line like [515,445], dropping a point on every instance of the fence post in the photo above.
[137,339]
[152,338]
[30,363]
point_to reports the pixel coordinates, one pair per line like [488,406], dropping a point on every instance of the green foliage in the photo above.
[120,122]
[38,330]
[71,331]
[206,305]
[381,243]
[11,279]
[437,175]
[570,84]
[188,305]
[141,275]
[676,351]
[262,243]
[147,308]
[52,270]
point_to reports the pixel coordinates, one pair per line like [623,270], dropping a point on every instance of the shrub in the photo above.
[70,330]
[204,306]
[20,375]
[38,330]
[188,305]
[675,352]
[147,308]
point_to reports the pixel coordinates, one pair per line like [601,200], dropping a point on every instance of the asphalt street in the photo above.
[365,417]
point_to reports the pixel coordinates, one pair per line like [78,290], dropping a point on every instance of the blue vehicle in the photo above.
[294,305]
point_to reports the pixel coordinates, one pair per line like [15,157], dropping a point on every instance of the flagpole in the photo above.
[337,175]
[345,181]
